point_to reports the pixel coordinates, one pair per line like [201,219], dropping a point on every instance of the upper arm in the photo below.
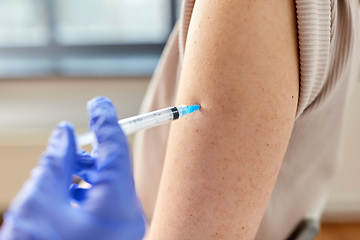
[241,64]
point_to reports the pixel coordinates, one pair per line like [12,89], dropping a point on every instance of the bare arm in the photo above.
[241,64]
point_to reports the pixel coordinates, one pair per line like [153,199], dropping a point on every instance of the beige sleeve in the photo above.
[150,145]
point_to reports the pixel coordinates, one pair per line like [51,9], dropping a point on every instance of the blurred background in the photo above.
[55,55]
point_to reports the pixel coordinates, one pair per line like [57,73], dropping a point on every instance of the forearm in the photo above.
[241,65]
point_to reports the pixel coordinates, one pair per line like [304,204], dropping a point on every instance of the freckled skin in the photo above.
[222,161]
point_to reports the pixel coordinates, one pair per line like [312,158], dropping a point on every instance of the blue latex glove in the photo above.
[109,210]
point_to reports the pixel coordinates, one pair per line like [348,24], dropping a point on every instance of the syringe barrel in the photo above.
[144,121]
[147,120]
[133,124]
[85,139]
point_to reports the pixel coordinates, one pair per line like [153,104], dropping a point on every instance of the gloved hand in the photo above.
[108,210]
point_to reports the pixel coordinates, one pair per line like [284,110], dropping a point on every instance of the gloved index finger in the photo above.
[113,186]
[102,114]
[112,144]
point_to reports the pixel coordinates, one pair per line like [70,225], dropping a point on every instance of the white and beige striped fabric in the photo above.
[328,48]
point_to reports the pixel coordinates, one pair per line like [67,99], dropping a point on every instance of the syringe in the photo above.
[148,120]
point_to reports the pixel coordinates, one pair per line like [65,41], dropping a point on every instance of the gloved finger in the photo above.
[84,160]
[77,193]
[59,160]
[102,114]
[114,180]
[85,166]
[94,146]
[104,124]
[94,151]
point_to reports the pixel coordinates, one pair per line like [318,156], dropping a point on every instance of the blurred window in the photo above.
[22,23]
[83,37]
[112,21]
